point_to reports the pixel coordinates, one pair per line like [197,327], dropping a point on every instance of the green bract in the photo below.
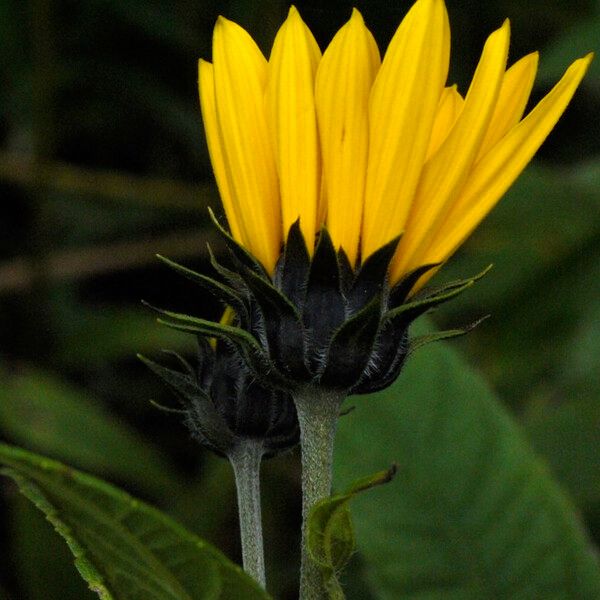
[317,321]
[224,405]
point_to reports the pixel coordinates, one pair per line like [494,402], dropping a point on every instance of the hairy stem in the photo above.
[245,459]
[318,412]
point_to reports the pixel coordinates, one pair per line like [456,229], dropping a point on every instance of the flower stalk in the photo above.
[318,411]
[245,460]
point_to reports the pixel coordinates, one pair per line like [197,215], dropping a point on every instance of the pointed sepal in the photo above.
[237,249]
[283,326]
[249,347]
[325,307]
[224,293]
[351,348]
[448,334]
[291,272]
[399,293]
[404,314]
[201,414]
[372,275]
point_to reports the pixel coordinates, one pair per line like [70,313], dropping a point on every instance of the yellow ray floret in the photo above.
[448,168]
[497,171]
[344,81]
[290,103]
[221,167]
[403,103]
[512,99]
[240,72]
[451,103]
[370,148]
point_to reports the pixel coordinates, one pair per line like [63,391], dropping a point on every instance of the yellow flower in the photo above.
[369,148]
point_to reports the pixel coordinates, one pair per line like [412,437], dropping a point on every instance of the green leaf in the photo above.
[48,415]
[331,541]
[474,514]
[43,563]
[568,435]
[124,548]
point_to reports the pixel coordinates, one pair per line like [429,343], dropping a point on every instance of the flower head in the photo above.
[347,180]
[371,149]
[224,406]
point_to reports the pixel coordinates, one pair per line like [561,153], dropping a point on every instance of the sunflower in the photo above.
[369,148]
[347,180]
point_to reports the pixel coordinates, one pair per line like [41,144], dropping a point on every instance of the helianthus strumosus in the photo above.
[347,180]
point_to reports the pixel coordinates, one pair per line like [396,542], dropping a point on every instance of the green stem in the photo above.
[318,412]
[245,459]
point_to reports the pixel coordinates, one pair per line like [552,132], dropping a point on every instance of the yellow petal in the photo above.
[239,75]
[206,85]
[344,79]
[322,206]
[499,168]
[446,171]
[514,93]
[293,123]
[449,107]
[402,108]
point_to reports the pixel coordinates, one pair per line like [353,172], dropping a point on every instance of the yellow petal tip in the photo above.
[588,58]
[356,16]
[222,26]
[503,30]
[533,58]
[582,64]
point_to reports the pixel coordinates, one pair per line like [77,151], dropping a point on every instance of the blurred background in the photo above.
[103,164]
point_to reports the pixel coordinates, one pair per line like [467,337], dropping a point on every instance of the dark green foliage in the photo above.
[472,513]
[123,548]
